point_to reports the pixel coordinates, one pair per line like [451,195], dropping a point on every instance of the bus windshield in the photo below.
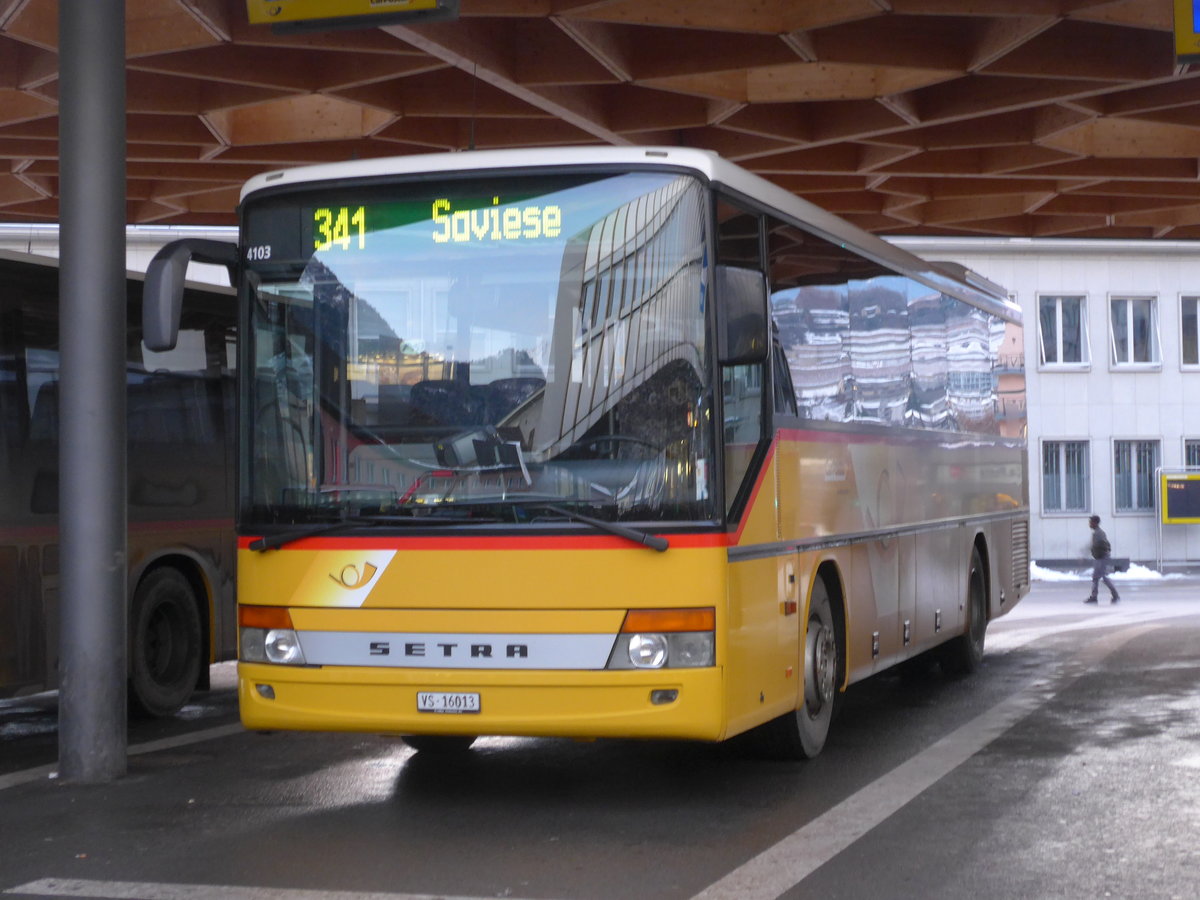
[478,350]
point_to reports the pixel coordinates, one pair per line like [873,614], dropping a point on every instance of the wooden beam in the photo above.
[214,15]
[475,54]
[290,120]
[155,27]
[1118,138]
[17,190]
[1003,36]
[550,56]
[21,106]
[969,209]
[721,15]
[605,44]
[1085,50]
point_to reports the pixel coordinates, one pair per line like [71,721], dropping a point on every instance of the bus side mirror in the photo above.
[162,292]
[742,337]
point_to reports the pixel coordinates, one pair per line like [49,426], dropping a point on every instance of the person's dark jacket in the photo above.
[1100,545]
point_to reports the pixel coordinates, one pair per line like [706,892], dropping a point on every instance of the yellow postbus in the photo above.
[604,442]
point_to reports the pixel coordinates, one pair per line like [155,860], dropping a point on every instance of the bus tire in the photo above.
[439,744]
[964,654]
[165,643]
[801,734]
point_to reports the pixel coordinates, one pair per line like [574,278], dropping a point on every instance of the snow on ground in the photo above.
[1135,573]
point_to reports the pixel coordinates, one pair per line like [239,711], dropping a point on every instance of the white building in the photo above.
[1113,382]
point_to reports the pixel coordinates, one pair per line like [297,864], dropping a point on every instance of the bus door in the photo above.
[762,652]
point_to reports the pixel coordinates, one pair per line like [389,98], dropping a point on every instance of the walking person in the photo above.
[1101,549]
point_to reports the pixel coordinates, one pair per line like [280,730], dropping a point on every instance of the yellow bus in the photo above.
[604,442]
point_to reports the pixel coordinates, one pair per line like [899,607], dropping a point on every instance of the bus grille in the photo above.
[1020,553]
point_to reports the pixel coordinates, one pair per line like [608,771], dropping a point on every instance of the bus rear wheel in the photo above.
[964,654]
[440,744]
[165,644]
[801,734]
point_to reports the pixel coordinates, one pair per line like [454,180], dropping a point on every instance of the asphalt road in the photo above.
[1068,767]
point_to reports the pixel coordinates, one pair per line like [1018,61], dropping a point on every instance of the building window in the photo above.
[1134,330]
[1189,330]
[1065,476]
[1134,465]
[1063,322]
[1191,453]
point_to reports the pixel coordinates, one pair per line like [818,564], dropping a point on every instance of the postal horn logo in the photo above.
[352,579]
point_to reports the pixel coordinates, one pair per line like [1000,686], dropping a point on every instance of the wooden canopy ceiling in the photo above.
[970,117]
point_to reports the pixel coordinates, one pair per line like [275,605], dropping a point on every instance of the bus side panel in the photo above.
[763,676]
[1009,564]
[24,648]
[837,482]
[765,618]
[819,496]
[940,587]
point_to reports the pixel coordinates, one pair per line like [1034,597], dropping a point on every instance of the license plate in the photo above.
[447,702]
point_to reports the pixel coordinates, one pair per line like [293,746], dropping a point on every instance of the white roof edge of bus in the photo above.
[54,262]
[714,167]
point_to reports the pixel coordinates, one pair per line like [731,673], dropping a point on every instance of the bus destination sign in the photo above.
[451,222]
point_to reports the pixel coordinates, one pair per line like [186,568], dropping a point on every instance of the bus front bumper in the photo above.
[660,703]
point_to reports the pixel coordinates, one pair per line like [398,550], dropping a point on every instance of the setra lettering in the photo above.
[450,651]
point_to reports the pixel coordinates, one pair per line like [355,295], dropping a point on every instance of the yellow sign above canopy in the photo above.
[1187,31]
[293,15]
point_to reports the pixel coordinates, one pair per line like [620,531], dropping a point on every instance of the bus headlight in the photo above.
[283,647]
[275,645]
[691,648]
[666,639]
[267,636]
[253,645]
[681,650]
[648,651]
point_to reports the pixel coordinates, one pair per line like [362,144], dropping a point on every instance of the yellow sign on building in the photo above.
[270,12]
[1181,498]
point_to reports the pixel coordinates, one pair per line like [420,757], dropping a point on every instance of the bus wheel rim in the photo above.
[819,650]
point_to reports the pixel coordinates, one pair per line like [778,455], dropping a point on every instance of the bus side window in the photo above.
[740,244]
[781,380]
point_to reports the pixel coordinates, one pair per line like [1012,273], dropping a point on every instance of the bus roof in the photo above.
[17,257]
[950,278]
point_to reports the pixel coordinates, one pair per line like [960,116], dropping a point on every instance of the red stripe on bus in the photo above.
[500,542]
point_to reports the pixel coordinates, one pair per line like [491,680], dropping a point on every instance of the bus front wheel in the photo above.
[801,734]
[165,644]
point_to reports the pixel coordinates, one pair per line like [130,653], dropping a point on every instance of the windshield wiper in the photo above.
[272,541]
[651,541]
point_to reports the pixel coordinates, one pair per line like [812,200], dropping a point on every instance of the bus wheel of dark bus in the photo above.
[439,743]
[801,734]
[964,654]
[165,643]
